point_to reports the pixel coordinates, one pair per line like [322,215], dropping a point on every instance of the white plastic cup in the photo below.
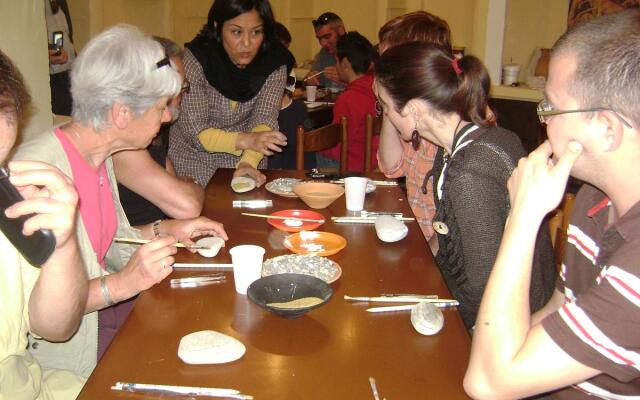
[311,92]
[510,73]
[247,265]
[355,188]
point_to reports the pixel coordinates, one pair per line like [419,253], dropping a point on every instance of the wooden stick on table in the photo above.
[321,221]
[145,241]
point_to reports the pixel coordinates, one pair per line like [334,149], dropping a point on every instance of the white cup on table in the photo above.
[247,265]
[311,92]
[355,188]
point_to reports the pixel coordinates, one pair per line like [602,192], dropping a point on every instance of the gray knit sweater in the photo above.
[474,206]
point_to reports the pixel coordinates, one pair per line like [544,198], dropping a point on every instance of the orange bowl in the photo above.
[318,243]
[318,194]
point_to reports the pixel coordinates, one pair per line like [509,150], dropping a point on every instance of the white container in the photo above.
[247,265]
[510,73]
[355,188]
[311,92]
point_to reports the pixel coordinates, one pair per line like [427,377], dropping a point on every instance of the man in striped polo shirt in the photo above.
[585,343]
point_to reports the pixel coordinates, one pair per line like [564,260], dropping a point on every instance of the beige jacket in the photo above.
[79,354]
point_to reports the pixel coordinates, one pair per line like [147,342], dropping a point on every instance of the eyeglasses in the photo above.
[325,19]
[186,86]
[545,112]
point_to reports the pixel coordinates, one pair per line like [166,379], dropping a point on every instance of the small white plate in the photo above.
[241,184]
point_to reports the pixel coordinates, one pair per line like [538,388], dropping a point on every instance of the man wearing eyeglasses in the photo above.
[584,343]
[328,27]
[143,194]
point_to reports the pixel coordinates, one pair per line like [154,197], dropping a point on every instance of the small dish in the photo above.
[289,295]
[318,243]
[289,226]
[241,184]
[307,264]
[318,194]
[282,187]
[212,244]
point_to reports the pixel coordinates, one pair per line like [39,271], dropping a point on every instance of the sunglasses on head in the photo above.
[324,19]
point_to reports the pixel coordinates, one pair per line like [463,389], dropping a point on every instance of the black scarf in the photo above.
[238,84]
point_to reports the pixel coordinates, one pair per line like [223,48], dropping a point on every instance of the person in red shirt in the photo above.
[353,58]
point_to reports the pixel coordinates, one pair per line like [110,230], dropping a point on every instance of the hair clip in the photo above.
[163,62]
[456,67]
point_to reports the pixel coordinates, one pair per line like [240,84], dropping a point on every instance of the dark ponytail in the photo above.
[419,70]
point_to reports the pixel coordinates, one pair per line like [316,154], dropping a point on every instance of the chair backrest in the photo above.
[373,126]
[559,224]
[321,139]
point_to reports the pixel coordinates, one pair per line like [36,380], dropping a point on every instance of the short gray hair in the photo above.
[607,51]
[119,65]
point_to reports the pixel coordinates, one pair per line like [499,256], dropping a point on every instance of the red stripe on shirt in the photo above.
[593,210]
[590,338]
[583,246]
[628,288]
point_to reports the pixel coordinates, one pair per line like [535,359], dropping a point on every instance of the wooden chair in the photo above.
[321,139]
[373,126]
[559,224]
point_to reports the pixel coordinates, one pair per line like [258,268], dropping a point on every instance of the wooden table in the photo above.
[327,354]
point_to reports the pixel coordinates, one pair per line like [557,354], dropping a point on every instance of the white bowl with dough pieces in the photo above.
[427,319]
[390,229]
[212,244]
[209,347]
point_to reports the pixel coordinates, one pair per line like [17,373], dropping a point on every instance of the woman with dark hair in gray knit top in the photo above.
[445,102]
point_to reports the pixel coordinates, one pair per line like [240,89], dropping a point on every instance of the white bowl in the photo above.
[213,245]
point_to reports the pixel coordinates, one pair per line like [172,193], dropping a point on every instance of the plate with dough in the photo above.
[241,184]
[319,243]
[307,264]
[294,224]
[283,187]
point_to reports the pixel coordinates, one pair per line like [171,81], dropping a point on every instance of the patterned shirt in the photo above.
[599,324]
[204,107]
[415,165]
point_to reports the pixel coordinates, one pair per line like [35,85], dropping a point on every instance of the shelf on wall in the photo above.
[522,93]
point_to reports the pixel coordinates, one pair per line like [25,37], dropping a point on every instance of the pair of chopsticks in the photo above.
[320,221]
[363,220]
[145,241]
[313,76]
[202,266]
[195,281]
[441,303]
[378,183]
[180,390]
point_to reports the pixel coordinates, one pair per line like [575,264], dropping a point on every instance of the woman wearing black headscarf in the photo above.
[237,70]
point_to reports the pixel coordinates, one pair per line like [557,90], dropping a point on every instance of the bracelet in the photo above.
[105,291]
[156,228]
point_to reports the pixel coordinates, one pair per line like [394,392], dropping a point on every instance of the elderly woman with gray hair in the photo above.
[121,84]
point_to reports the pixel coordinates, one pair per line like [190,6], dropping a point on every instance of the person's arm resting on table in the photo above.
[186,199]
[512,356]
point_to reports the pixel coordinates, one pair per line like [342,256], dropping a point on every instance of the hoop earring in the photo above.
[415,139]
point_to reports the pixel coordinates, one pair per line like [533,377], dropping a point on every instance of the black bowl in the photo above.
[281,288]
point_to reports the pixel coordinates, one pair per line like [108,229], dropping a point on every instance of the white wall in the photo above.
[23,37]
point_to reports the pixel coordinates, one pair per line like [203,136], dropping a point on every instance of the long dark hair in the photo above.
[223,10]
[419,70]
